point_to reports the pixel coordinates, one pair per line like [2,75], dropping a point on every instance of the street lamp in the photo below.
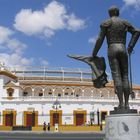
[98,116]
[56,106]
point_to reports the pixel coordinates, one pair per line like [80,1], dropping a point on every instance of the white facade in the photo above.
[36,91]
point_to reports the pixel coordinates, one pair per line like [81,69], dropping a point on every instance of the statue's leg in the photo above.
[125,79]
[116,74]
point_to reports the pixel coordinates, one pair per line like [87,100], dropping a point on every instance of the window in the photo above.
[59,95]
[77,95]
[50,93]
[40,94]
[66,93]
[25,93]
[10,92]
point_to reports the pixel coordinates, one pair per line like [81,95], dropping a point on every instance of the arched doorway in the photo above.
[79,117]
[30,118]
[9,118]
[55,117]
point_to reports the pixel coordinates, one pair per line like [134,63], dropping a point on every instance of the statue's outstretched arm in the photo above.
[99,42]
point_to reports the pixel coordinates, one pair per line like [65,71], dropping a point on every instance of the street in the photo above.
[51,136]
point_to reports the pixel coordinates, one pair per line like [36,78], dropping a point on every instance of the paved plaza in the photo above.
[17,135]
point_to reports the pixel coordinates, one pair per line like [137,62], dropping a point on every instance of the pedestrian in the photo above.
[44,126]
[49,126]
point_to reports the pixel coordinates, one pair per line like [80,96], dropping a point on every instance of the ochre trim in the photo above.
[79,112]
[51,116]
[57,84]
[9,74]
[10,98]
[9,112]
[31,112]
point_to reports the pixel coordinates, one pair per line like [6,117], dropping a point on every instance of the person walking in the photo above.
[49,127]
[44,126]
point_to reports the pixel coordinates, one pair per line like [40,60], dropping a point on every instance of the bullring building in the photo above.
[32,96]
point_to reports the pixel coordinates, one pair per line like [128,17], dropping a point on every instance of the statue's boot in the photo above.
[126,98]
[120,97]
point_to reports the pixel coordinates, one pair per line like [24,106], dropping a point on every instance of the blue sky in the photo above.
[43,32]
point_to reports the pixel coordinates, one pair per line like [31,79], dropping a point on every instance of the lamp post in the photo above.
[98,117]
[56,106]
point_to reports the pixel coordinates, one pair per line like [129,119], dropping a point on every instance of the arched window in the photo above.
[48,91]
[96,93]
[104,93]
[111,93]
[27,91]
[68,91]
[78,92]
[58,92]
[38,91]
[10,92]
[88,92]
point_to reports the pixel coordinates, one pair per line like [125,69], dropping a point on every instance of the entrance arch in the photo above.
[55,117]
[80,117]
[9,118]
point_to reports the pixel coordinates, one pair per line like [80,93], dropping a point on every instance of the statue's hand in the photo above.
[130,50]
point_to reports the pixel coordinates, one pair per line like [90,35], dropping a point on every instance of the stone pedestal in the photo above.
[122,127]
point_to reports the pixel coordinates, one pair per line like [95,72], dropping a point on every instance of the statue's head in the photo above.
[113,11]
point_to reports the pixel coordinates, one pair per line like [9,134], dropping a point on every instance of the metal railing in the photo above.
[45,73]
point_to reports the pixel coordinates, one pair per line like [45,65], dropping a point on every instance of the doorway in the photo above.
[79,117]
[9,118]
[103,115]
[30,118]
[55,117]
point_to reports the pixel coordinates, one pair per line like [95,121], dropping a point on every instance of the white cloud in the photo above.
[15,45]
[15,60]
[92,40]
[48,33]
[131,3]
[13,49]
[74,23]
[52,18]
[4,34]
[8,42]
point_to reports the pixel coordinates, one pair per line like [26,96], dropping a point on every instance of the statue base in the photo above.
[122,127]
[123,111]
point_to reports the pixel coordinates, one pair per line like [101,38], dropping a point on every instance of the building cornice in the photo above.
[8,74]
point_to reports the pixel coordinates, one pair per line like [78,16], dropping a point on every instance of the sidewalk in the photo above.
[52,132]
